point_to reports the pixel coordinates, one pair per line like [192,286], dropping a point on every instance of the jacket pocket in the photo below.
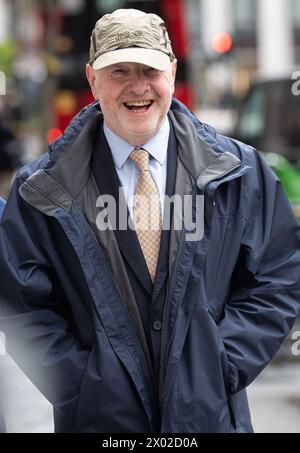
[80,392]
[240,409]
[225,364]
[224,358]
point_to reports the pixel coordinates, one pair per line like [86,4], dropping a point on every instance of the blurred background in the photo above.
[238,63]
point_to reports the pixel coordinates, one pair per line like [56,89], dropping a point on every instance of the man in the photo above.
[119,337]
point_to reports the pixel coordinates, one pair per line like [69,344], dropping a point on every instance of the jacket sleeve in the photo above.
[265,299]
[38,334]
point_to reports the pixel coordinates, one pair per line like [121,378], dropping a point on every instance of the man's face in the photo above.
[134,98]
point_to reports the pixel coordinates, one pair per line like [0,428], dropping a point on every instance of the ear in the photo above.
[173,73]
[90,75]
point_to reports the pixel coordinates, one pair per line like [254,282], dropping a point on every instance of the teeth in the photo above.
[138,103]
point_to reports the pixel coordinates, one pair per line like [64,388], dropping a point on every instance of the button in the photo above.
[157,325]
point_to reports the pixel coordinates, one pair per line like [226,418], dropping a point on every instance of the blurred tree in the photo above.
[7,56]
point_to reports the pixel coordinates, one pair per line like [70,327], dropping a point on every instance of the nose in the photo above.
[139,84]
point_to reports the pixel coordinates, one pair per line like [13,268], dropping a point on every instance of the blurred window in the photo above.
[244,15]
[194,14]
[106,6]
[252,121]
[72,6]
[296,13]
[290,127]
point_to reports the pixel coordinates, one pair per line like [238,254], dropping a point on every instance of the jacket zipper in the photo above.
[163,354]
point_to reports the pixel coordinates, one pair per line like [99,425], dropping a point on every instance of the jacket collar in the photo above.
[201,161]
[69,164]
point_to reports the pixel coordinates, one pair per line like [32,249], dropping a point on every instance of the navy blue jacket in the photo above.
[233,295]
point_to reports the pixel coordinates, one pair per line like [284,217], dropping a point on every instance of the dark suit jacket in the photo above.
[150,298]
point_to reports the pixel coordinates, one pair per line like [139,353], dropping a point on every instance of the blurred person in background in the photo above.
[11,158]
[2,204]
[147,328]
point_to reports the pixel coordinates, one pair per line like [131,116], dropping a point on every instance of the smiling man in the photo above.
[132,73]
[145,328]
[134,98]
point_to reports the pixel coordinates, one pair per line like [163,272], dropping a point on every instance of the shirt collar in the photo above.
[157,146]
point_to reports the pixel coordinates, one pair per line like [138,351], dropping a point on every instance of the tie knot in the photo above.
[141,158]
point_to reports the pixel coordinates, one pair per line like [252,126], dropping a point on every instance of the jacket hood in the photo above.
[64,175]
[84,117]
[199,150]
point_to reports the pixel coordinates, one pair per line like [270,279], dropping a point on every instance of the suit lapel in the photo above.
[106,177]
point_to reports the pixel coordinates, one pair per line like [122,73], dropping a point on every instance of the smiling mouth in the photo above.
[138,106]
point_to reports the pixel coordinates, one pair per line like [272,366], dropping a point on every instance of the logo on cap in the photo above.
[128,35]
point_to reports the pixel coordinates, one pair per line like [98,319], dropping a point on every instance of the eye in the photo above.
[119,72]
[152,71]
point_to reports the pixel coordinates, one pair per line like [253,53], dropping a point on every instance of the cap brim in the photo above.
[149,57]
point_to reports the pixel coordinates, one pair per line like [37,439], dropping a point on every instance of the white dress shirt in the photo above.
[127,170]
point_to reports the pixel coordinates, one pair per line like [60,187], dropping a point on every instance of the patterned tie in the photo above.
[146,210]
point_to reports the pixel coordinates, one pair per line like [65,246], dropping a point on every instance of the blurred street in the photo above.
[274,401]
[26,410]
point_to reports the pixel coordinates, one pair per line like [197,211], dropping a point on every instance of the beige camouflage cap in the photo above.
[130,35]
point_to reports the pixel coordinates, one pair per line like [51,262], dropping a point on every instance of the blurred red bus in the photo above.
[69,28]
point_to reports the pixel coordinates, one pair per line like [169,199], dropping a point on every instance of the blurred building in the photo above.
[220,45]
[235,39]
